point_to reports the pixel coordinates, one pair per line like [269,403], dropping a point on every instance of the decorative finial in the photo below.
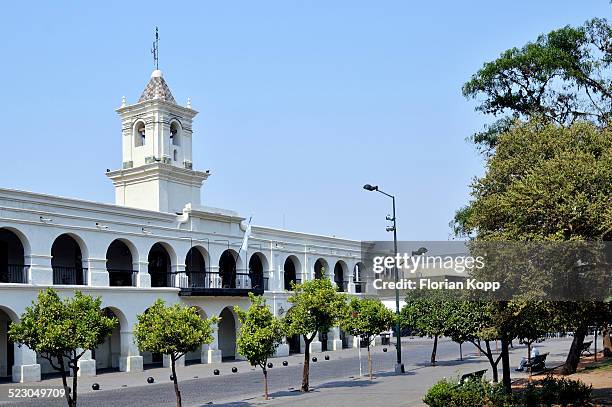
[189,103]
[123,101]
[155,50]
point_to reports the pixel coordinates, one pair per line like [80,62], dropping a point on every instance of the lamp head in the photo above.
[369,187]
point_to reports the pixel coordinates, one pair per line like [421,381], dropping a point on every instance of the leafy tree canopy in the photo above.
[367,317]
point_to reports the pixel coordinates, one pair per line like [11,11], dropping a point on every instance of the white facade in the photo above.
[157,241]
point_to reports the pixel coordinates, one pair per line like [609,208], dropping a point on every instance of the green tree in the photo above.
[544,182]
[259,335]
[427,312]
[564,76]
[172,330]
[534,321]
[61,331]
[366,318]
[316,307]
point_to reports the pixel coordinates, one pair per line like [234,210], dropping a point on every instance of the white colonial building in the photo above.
[156,241]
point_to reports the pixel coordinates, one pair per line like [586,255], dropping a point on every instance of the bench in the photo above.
[586,347]
[537,363]
[472,376]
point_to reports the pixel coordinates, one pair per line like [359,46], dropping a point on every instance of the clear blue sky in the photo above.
[301,102]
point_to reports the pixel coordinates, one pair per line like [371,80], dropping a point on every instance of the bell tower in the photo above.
[157,172]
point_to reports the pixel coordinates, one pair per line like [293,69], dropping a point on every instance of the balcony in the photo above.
[14,273]
[206,283]
[69,275]
[122,277]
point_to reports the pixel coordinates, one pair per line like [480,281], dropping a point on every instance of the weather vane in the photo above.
[155,49]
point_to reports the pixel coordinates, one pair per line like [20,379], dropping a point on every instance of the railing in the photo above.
[122,277]
[14,273]
[358,287]
[217,280]
[69,275]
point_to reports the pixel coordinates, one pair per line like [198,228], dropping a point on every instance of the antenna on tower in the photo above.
[155,49]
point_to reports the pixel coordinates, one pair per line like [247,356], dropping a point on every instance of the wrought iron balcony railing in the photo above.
[14,273]
[69,275]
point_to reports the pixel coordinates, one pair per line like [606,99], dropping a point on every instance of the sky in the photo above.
[300,102]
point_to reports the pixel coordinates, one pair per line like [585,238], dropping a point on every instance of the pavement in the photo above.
[334,382]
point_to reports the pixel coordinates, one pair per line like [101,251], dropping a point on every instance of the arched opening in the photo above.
[227,334]
[323,339]
[195,267]
[227,269]
[256,272]
[120,265]
[320,268]
[339,276]
[67,261]
[198,354]
[12,260]
[140,138]
[290,272]
[294,344]
[358,275]
[175,133]
[108,354]
[7,347]
[160,266]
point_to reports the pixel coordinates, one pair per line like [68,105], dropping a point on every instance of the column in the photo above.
[143,278]
[180,277]
[315,345]
[282,349]
[130,360]
[40,271]
[167,362]
[333,339]
[86,365]
[25,368]
[214,354]
[97,274]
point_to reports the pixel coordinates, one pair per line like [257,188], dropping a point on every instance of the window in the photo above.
[140,138]
[175,133]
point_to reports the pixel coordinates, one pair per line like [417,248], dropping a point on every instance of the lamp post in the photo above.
[399,366]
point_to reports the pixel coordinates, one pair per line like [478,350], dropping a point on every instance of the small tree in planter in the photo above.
[317,307]
[172,330]
[366,318]
[61,331]
[259,336]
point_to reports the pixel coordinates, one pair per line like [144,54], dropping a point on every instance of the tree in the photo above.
[564,76]
[316,307]
[534,321]
[259,336]
[172,330]
[366,318]
[61,331]
[427,312]
[545,183]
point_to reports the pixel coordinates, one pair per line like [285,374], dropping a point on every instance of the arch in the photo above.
[196,261]
[228,268]
[108,353]
[198,355]
[340,271]
[7,347]
[176,130]
[257,266]
[290,271]
[139,130]
[120,263]
[227,333]
[67,254]
[320,268]
[12,256]
[160,265]
[358,277]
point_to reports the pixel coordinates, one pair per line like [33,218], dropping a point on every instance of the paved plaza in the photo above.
[335,382]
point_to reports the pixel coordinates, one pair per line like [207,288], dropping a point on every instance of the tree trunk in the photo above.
[434,350]
[492,362]
[505,358]
[529,352]
[306,372]
[67,393]
[179,402]
[573,357]
[595,342]
[265,373]
[461,351]
[369,361]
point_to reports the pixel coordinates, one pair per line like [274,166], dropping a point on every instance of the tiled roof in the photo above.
[157,88]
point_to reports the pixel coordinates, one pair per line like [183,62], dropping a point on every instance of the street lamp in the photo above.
[399,366]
